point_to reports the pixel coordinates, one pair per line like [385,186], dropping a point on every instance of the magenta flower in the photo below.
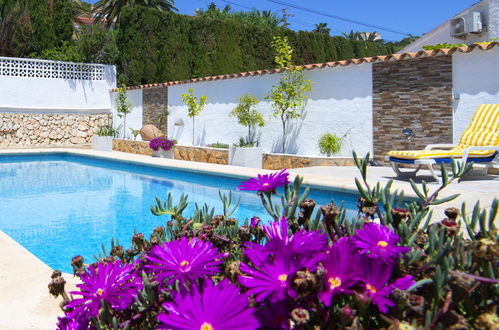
[271,279]
[217,307]
[342,269]
[64,323]
[376,241]
[184,260]
[376,277]
[303,245]
[115,283]
[266,182]
[161,142]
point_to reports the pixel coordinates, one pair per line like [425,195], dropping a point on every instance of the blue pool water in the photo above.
[60,205]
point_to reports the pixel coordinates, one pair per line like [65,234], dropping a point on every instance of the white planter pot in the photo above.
[247,157]
[103,143]
[163,153]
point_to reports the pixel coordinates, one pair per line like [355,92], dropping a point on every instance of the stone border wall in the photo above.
[221,156]
[48,129]
[280,161]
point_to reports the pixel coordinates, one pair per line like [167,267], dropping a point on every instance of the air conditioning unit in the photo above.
[469,23]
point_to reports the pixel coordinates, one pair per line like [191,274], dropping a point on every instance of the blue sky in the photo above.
[415,17]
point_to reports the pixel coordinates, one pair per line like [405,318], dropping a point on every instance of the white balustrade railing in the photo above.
[34,68]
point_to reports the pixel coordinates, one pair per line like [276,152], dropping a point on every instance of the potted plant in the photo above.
[330,144]
[162,147]
[247,153]
[103,138]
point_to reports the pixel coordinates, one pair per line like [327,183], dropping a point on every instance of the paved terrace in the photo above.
[26,304]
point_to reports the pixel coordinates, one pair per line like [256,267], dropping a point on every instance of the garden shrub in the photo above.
[310,267]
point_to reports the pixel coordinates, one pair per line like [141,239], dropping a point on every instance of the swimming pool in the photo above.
[61,205]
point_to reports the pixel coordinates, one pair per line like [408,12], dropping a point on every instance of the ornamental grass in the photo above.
[304,267]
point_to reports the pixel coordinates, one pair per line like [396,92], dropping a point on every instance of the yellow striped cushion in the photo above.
[456,152]
[482,131]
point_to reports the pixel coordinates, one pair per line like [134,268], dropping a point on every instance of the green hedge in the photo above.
[158,47]
[46,31]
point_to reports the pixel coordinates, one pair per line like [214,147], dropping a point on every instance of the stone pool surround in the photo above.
[221,156]
[48,129]
[30,306]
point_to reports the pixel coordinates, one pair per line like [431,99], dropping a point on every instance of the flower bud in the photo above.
[300,316]
[255,222]
[346,314]
[399,215]
[486,249]
[367,208]
[452,213]
[231,221]
[56,274]
[233,271]
[305,283]
[139,241]
[329,214]
[217,220]
[56,286]
[160,231]
[118,251]
[244,233]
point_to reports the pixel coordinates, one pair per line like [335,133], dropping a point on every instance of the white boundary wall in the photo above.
[340,102]
[475,78]
[32,86]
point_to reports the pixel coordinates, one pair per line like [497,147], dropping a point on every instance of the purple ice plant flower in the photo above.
[379,242]
[376,277]
[64,323]
[342,269]
[214,307]
[266,182]
[303,245]
[184,260]
[271,279]
[114,282]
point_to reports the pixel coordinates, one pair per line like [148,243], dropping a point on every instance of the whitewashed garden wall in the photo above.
[51,102]
[341,101]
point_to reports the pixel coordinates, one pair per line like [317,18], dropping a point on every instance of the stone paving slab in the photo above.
[24,299]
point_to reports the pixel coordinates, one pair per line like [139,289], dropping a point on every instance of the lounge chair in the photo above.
[479,143]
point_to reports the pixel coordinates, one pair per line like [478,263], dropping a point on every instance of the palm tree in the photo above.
[110,10]
[353,35]
[321,28]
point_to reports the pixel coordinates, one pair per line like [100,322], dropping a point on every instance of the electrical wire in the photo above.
[313,11]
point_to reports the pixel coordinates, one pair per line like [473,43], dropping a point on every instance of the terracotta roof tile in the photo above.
[373,59]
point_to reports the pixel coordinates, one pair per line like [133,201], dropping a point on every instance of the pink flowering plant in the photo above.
[305,267]
[161,143]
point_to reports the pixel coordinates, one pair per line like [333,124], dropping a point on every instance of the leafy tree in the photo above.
[15,30]
[123,106]
[321,28]
[288,97]
[45,29]
[248,116]
[265,18]
[92,44]
[110,10]
[194,106]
